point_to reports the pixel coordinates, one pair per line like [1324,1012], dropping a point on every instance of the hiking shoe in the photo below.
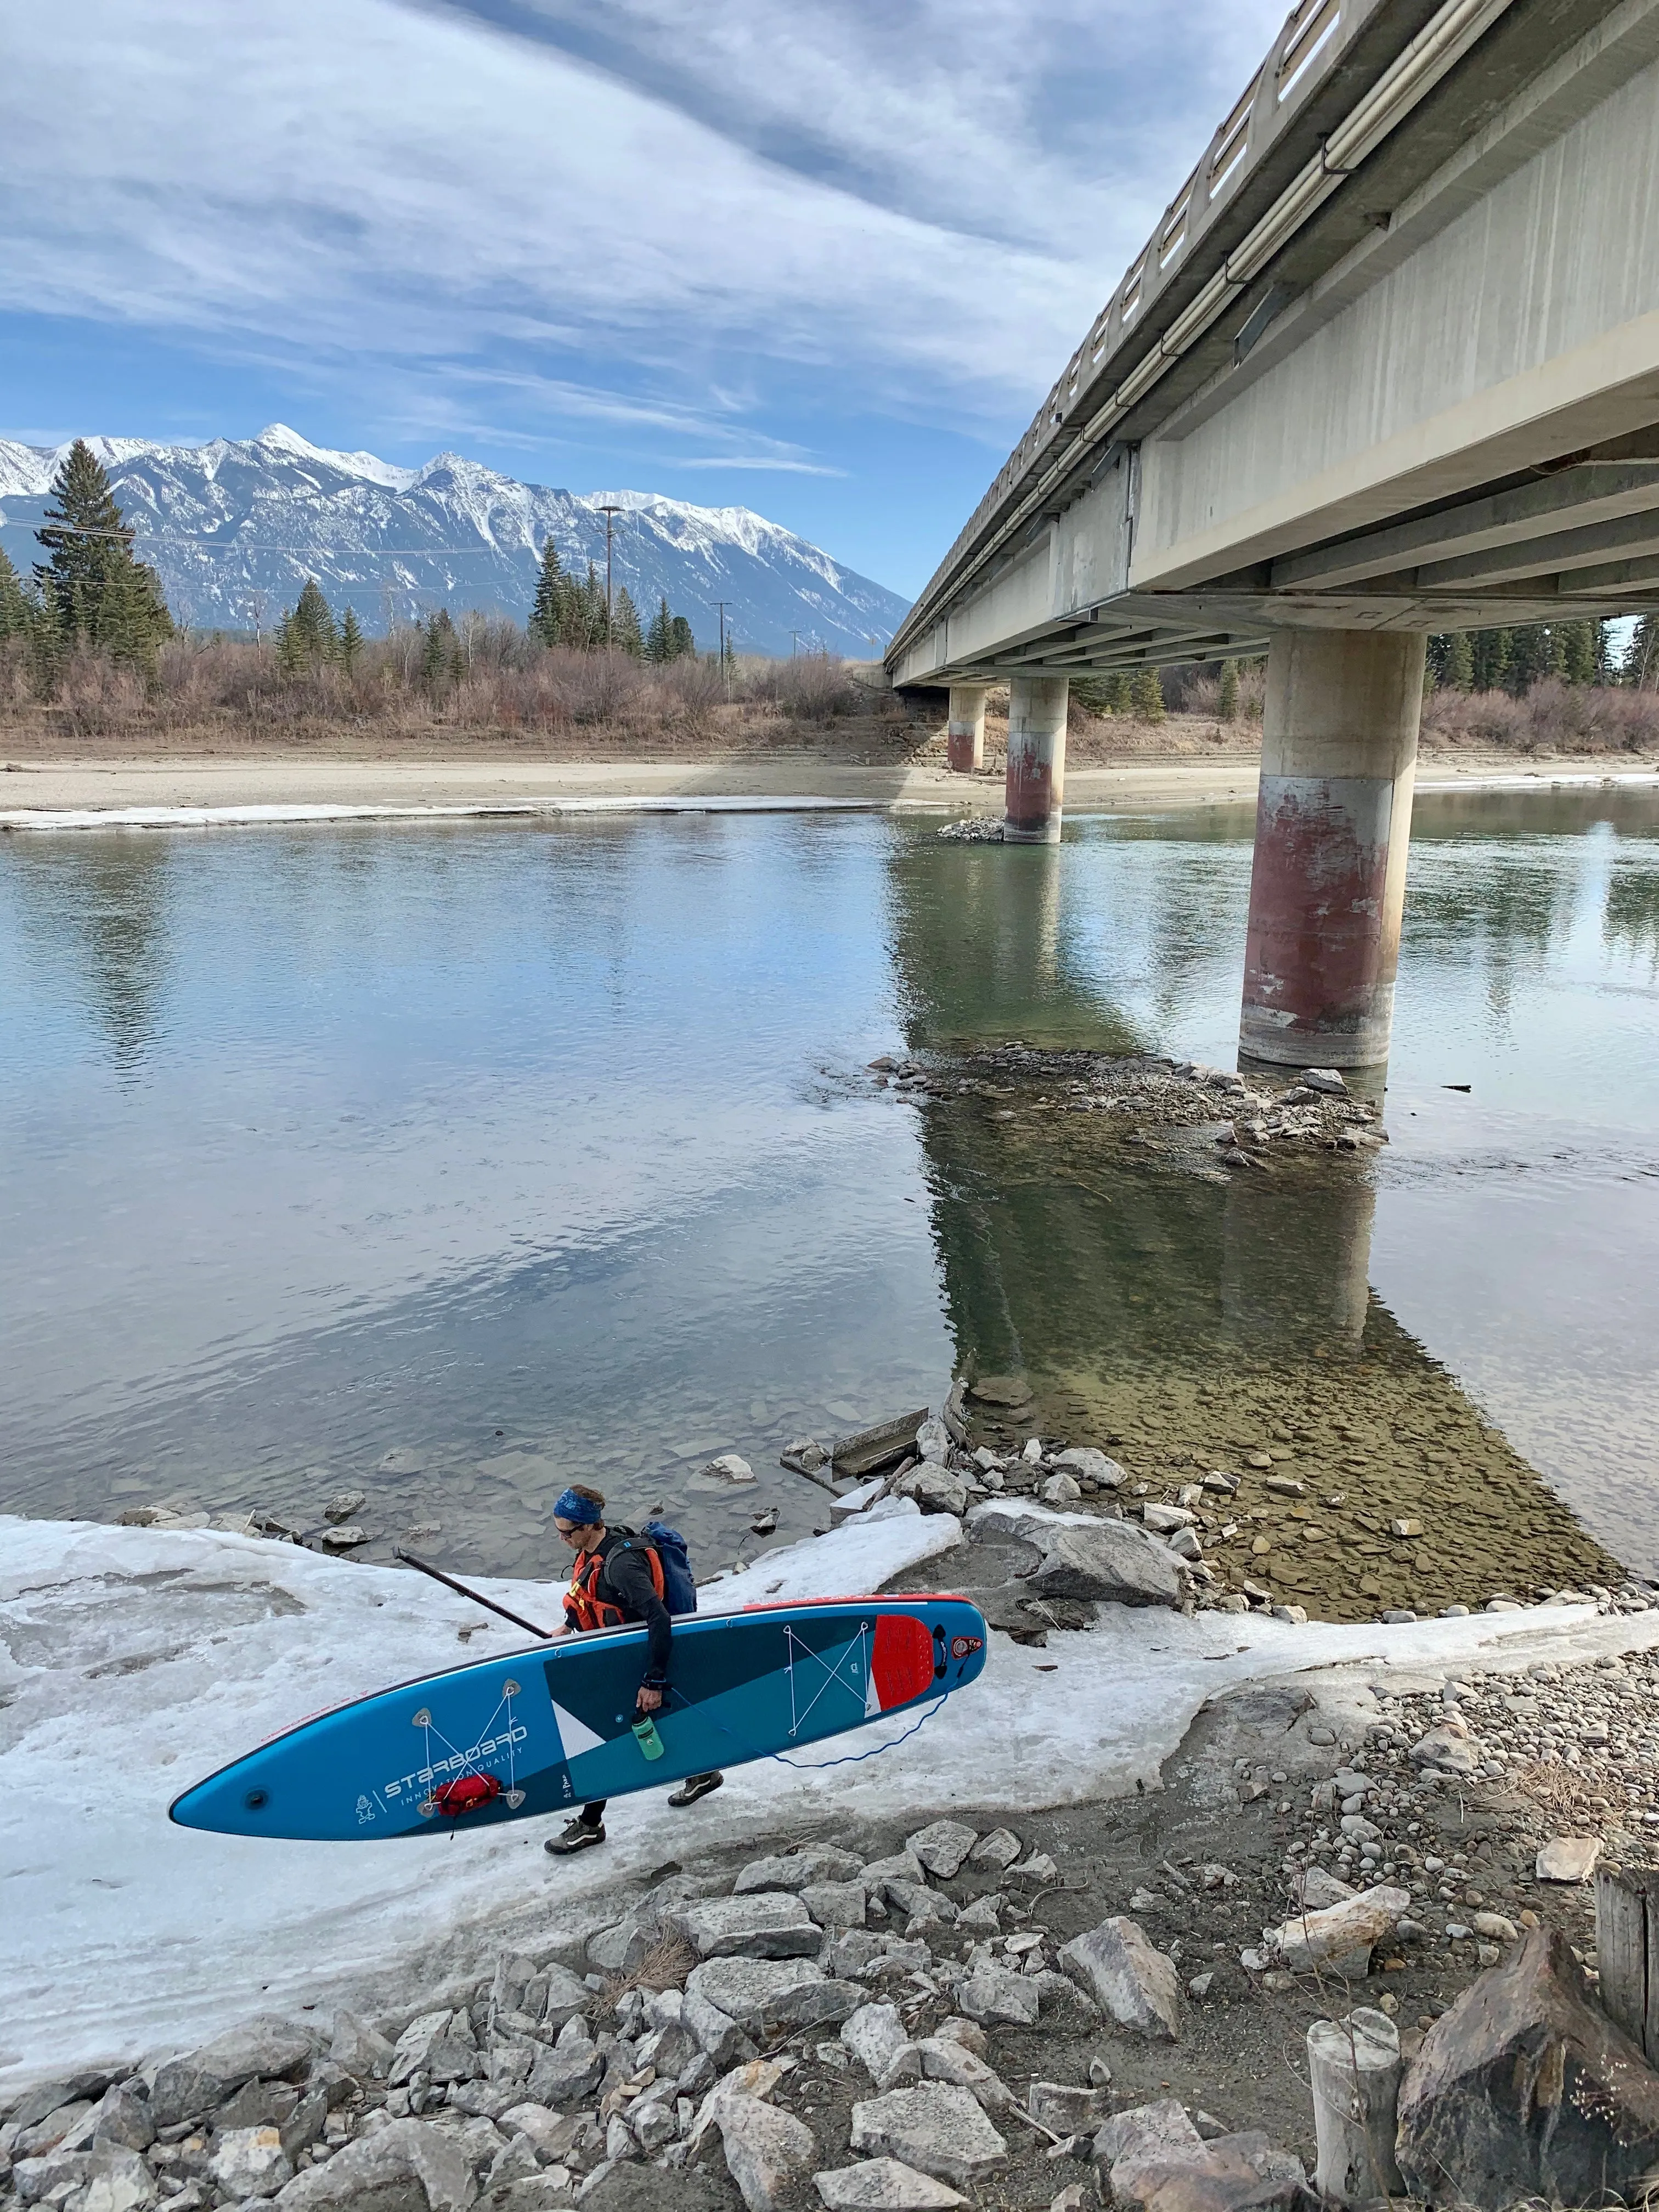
[695,1786]
[576,1838]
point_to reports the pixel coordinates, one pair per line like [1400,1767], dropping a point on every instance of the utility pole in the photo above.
[720,604]
[608,512]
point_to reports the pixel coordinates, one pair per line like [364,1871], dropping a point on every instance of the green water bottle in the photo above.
[645,1733]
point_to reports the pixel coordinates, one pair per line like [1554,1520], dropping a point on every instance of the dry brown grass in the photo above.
[665,1966]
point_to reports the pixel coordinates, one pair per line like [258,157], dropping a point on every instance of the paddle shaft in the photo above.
[439,1576]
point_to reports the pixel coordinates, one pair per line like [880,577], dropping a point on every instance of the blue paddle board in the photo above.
[552,1726]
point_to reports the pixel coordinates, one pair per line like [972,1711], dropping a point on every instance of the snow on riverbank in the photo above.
[258,817]
[134,1660]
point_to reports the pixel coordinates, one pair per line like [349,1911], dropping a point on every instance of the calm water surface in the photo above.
[450,1164]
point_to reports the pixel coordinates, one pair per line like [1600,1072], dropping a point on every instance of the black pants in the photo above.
[592,1816]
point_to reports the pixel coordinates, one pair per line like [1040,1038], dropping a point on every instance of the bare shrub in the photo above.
[697,688]
[1554,717]
[95,694]
[814,687]
[16,672]
[1201,695]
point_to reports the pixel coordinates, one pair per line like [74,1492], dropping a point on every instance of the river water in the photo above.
[449,1164]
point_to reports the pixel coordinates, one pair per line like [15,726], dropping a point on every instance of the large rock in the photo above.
[994,1993]
[795,1869]
[361,2050]
[942,1847]
[50,2096]
[1243,2172]
[571,2071]
[1156,2160]
[768,1996]
[760,1924]
[119,2181]
[837,1904]
[717,2034]
[1144,2136]
[875,2035]
[1339,1938]
[937,2128]
[440,2044]
[1135,1984]
[121,2119]
[408,2167]
[111,2178]
[249,2162]
[944,2059]
[1086,1462]
[1450,1748]
[635,2188]
[1111,1560]
[883,2184]
[265,2049]
[567,1995]
[765,2150]
[935,1489]
[1524,2089]
[903,1865]
[1066,2110]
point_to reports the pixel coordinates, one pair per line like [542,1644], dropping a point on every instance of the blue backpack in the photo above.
[679,1591]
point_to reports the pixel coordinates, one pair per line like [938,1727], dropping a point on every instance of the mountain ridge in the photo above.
[234,527]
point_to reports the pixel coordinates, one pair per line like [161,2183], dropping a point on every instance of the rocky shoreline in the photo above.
[1095,2002]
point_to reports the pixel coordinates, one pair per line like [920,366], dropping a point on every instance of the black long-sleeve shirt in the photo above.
[625,1579]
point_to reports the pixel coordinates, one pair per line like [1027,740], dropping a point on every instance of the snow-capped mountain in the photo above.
[233,529]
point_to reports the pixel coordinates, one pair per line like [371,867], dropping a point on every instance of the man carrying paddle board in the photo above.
[617,1577]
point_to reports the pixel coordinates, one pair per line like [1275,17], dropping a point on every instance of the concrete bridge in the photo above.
[1388,367]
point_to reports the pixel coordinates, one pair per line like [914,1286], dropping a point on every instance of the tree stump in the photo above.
[1353,2066]
[1627,1952]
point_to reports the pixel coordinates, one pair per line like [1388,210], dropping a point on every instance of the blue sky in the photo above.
[820,257]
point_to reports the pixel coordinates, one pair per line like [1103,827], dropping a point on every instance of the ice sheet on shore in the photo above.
[256,814]
[133,1661]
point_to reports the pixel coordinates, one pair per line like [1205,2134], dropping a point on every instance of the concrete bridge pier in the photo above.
[964,737]
[1338,758]
[1035,786]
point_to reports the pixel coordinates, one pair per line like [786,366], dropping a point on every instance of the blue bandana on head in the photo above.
[582,1510]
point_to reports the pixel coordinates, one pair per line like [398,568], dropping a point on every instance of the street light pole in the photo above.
[608,512]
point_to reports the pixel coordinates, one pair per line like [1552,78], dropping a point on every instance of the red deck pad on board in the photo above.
[903,1663]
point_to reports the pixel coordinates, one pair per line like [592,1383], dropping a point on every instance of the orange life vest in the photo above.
[584,1607]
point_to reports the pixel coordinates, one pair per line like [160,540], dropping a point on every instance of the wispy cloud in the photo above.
[821,185]
[755,461]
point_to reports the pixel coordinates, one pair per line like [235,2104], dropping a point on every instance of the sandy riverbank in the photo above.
[107,787]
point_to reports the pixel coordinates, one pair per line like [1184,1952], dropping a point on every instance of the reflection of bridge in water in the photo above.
[1186,1319]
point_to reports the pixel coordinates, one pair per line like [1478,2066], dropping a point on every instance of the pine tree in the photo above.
[1227,706]
[1490,652]
[1459,674]
[16,614]
[306,638]
[549,616]
[1146,695]
[681,646]
[595,622]
[1119,692]
[625,627]
[351,641]
[438,652]
[1578,652]
[93,591]
[1641,664]
[658,637]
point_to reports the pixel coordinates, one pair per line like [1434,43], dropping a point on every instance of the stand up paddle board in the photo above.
[544,1728]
